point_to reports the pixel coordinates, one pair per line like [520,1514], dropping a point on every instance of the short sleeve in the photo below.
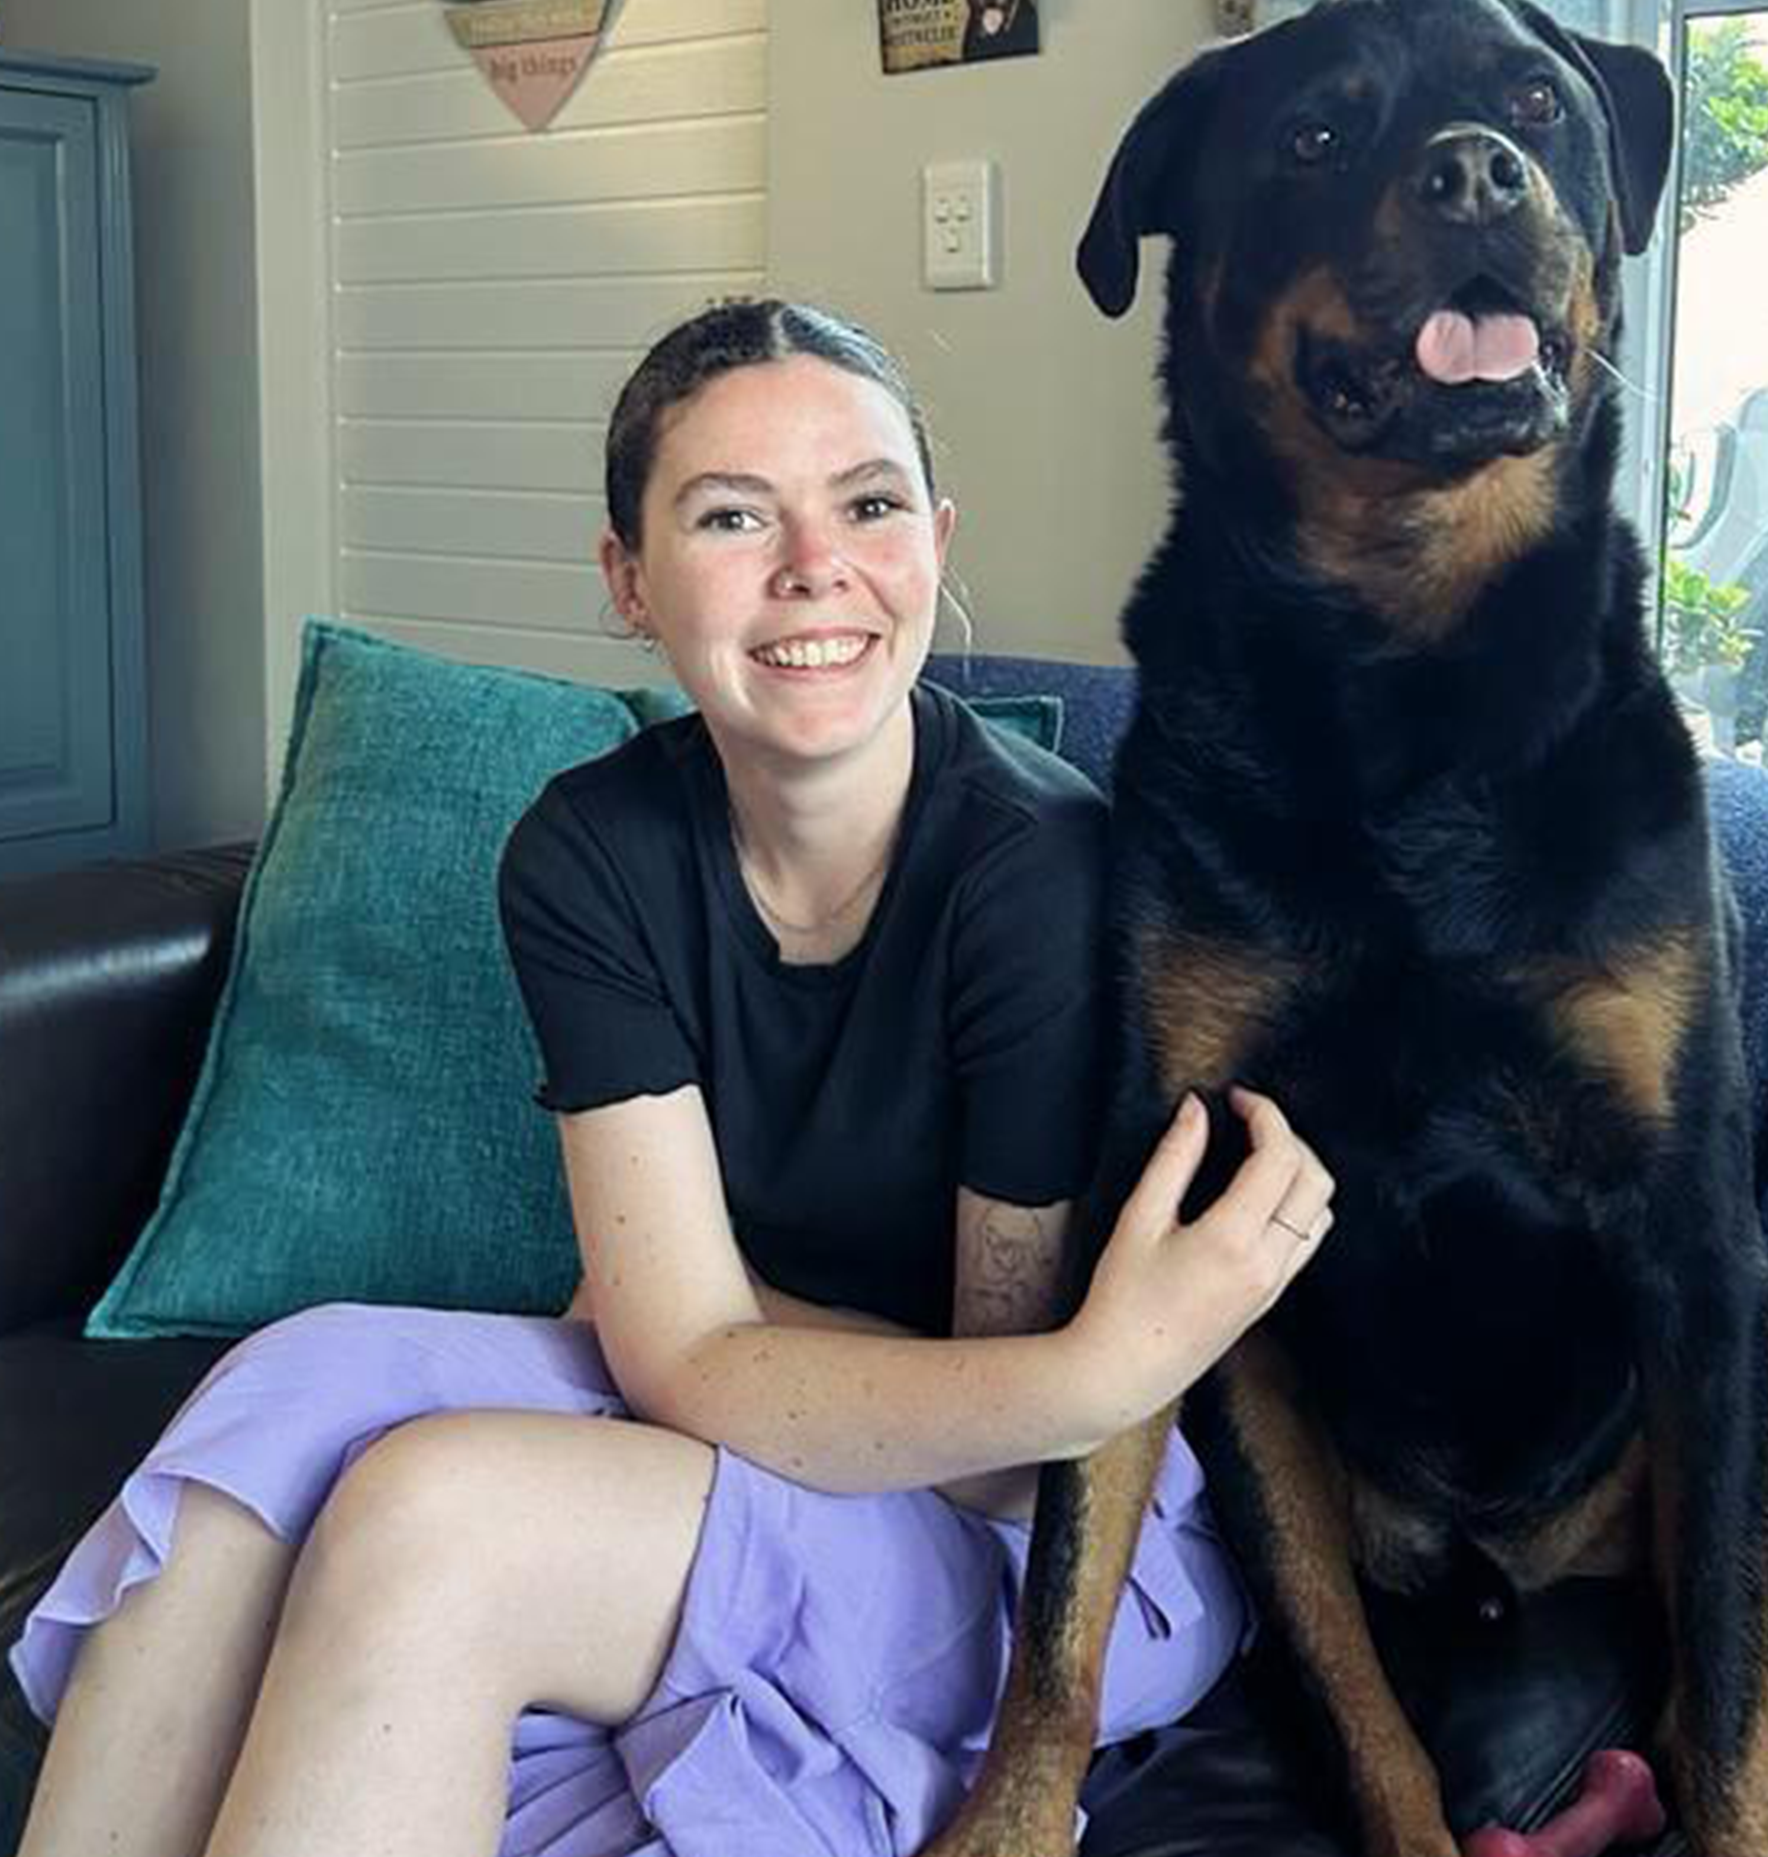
[583,961]
[1027,1014]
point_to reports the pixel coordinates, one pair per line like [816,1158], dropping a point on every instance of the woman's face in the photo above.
[791,557]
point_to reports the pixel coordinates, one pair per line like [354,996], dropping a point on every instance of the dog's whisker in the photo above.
[1603,362]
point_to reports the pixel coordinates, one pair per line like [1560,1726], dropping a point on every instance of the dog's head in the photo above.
[1397,229]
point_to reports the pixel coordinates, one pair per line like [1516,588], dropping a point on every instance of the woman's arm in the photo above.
[1008,1281]
[1008,1271]
[686,1335]
[688,1341]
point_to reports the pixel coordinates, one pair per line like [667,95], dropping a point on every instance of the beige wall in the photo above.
[1045,410]
[197,295]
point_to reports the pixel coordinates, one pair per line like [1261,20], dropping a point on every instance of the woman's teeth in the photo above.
[811,654]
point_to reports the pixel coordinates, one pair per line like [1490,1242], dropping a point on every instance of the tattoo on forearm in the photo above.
[1013,1274]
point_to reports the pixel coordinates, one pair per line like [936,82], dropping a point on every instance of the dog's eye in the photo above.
[1313,143]
[1537,103]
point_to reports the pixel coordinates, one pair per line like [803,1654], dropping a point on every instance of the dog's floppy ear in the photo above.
[1634,90]
[1141,187]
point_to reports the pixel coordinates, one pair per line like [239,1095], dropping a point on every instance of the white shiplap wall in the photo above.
[489,290]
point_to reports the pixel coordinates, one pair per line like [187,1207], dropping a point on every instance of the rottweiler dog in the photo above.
[1411,835]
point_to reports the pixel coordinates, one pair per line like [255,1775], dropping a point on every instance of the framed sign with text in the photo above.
[915,35]
[533,52]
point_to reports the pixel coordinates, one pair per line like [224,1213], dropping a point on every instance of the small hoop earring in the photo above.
[948,591]
[615,625]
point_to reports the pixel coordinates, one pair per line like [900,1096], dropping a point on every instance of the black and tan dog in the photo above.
[1411,836]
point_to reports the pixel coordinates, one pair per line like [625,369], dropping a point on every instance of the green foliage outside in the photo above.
[1703,623]
[1725,137]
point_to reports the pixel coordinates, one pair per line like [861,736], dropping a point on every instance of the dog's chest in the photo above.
[1472,955]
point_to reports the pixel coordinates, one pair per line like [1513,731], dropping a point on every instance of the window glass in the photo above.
[1714,630]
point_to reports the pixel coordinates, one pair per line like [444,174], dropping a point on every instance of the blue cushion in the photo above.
[362,1128]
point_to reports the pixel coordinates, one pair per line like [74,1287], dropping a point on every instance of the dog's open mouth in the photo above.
[1480,374]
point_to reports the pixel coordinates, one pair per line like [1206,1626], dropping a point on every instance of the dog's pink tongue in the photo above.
[1453,348]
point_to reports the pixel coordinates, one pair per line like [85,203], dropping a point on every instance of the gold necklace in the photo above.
[752,883]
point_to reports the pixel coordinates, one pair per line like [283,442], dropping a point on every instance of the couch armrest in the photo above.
[108,980]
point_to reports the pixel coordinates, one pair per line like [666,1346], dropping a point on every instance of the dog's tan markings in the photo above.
[1394,1544]
[1739,1822]
[1604,1533]
[1725,1814]
[1204,1003]
[1316,301]
[1322,477]
[1305,1495]
[1023,1802]
[1625,1020]
[1722,1814]
[1465,534]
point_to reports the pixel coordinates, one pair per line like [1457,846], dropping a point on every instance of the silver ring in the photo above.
[1292,1230]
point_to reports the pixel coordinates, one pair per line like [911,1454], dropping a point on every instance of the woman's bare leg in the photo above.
[153,1718]
[466,1567]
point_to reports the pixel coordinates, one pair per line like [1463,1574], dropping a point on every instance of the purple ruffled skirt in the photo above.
[839,1658]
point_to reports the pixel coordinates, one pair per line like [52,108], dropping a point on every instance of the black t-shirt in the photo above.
[957,1043]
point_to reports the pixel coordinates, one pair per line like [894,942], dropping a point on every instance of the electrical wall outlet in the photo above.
[960,225]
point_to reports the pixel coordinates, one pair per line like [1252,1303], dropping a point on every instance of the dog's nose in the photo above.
[1472,177]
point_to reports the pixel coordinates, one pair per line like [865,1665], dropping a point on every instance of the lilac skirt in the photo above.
[839,1658]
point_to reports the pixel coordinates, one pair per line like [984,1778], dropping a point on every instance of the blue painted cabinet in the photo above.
[73,721]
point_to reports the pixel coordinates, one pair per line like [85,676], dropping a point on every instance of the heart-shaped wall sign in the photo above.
[533,52]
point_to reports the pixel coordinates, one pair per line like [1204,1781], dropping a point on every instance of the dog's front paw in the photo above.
[1721,1816]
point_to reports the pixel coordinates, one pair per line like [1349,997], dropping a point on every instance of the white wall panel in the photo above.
[518,525]
[556,384]
[652,161]
[487,290]
[551,595]
[659,236]
[591,312]
[715,77]
[486,455]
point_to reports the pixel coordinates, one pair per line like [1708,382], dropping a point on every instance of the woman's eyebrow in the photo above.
[723,482]
[872,467]
[744,483]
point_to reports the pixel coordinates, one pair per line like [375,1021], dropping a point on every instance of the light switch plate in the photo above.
[960,225]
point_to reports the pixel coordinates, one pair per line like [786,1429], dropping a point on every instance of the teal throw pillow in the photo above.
[1037,718]
[363,1128]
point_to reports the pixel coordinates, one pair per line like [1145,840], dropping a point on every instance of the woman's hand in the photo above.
[1168,1298]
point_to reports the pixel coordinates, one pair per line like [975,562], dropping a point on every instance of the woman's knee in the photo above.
[455,1536]
[445,1513]
[407,1514]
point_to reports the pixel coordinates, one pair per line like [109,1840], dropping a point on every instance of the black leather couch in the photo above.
[108,977]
